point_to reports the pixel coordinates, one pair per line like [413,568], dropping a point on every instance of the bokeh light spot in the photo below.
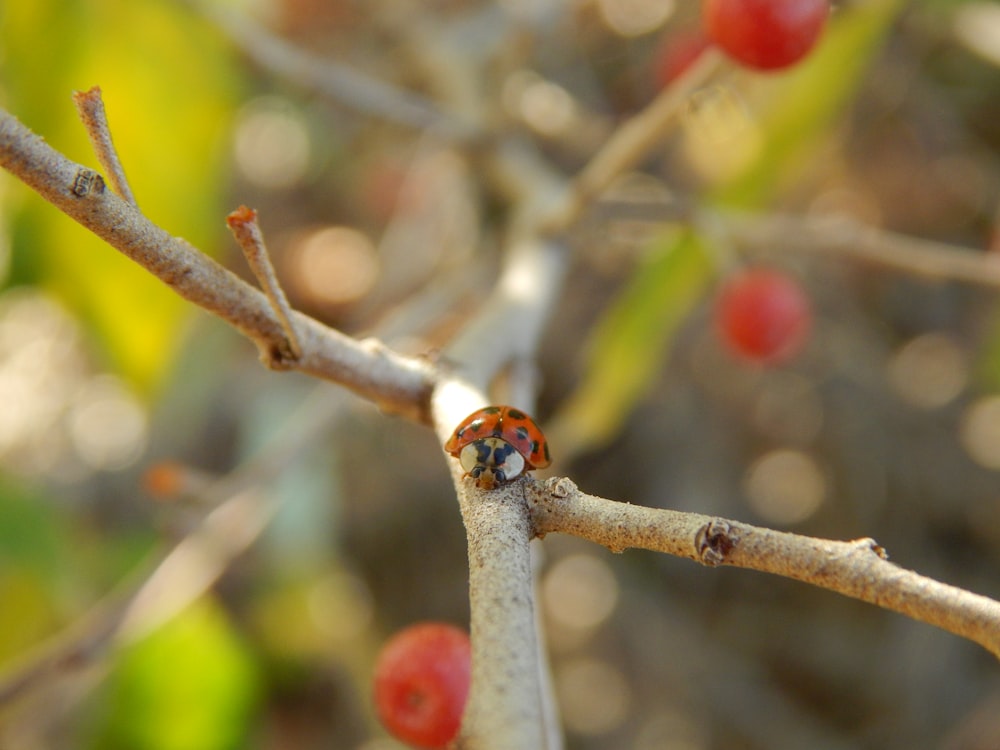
[785,486]
[542,105]
[635,17]
[670,730]
[980,432]
[977,26]
[271,143]
[41,364]
[929,371]
[580,591]
[107,424]
[594,696]
[334,265]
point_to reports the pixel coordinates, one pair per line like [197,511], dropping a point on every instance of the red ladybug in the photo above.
[497,444]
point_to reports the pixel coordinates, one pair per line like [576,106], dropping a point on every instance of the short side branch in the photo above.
[90,106]
[243,224]
[858,568]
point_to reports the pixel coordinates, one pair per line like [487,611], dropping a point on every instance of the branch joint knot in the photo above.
[87,182]
[714,541]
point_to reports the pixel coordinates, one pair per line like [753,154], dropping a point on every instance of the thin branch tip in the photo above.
[242,215]
[246,229]
[90,108]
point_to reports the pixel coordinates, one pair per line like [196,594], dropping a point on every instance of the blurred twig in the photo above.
[844,236]
[508,700]
[339,82]
[633,140]
[241,510]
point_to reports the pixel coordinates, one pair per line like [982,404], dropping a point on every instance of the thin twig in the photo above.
[858,569]
[346,86]
[631,142]
[636,137]
[90,106]
[245,228]
[398,384]
[162,589]
[848,237]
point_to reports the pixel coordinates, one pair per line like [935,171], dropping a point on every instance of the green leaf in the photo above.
[190,684]
[33,540]
[628,347]
[33,536]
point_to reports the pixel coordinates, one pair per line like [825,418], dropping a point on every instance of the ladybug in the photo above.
[497,444]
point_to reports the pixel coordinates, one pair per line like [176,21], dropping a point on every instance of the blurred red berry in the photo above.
[763,315]
[765,34]
[421,683]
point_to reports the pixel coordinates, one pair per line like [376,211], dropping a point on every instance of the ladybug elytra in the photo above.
[497,444]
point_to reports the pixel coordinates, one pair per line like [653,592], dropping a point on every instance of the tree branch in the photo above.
[501,601]
[507,701]
[396,383]
[858,569]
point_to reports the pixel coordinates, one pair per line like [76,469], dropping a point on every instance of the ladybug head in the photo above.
[491,461]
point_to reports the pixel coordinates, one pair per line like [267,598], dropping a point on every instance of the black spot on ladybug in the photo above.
[522,433]
[516,414]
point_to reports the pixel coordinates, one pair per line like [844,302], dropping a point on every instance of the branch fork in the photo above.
[245,228]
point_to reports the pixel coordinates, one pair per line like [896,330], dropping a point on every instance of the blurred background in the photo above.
[131,419]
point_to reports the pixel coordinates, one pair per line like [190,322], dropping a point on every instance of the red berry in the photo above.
[763,315]
[765,34]
[422,682]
